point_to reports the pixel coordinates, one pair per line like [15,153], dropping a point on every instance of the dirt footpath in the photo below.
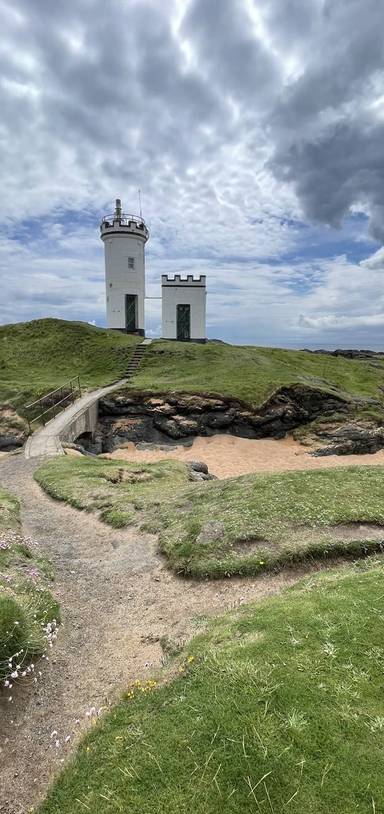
[117,601]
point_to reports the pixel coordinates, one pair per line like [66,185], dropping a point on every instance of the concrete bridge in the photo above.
[79,417]
[73,421]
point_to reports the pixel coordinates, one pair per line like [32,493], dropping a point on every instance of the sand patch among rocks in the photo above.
[228,456]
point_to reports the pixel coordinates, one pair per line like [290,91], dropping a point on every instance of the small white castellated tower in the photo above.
[184,308]
[124,237]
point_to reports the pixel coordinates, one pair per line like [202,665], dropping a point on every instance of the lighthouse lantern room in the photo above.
[124,237]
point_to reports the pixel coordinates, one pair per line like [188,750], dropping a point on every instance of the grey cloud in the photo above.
[125,97]
[235,59]
[346,51]
[328,136]
[291,23]
[125,90]
[343,166]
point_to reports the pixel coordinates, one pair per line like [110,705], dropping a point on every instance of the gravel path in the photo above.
[117,600]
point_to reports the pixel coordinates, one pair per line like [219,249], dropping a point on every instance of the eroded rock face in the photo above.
[352,439]
[177,417]
[13,428]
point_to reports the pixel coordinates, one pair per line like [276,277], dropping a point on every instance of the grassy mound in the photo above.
[237,526]
[26,604]
[40,355]
[255,522]
[278,707]
[251,373]
[122,493]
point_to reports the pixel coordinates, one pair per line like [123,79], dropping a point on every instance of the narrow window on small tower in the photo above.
[131,262]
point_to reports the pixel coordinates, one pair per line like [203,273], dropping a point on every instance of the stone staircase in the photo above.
[136,357]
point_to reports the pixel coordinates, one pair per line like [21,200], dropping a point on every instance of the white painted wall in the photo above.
[178,291]
[119,278]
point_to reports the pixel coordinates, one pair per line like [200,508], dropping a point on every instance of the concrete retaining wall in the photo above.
[82,422]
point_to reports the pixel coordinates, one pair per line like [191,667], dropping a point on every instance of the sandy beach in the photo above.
[228,456]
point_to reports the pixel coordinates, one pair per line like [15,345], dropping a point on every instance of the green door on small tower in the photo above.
[183,324]
[131,312]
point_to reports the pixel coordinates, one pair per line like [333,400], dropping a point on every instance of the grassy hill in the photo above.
[277,707]
[40,355]
[252,373]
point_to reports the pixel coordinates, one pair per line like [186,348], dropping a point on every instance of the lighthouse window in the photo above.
[131,262]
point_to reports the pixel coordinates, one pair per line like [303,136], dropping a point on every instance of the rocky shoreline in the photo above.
[176,417]
[350,439]
[349,353]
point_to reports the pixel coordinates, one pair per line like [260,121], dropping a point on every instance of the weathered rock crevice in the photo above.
[13,429]
[177,417]
[351,439]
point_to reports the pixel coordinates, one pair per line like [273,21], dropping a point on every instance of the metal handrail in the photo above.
[51,392]
[74,392]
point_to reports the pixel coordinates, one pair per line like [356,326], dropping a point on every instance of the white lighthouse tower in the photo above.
[124,237]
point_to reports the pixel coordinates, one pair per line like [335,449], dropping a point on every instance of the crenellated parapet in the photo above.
[178,279]
[123,224]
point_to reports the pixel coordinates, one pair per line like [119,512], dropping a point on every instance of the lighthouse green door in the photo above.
[183,322]
[130,312]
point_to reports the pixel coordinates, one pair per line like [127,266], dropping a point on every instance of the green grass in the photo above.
[38,356]
[26,603]
[238,526]
[266,521]
[9,511]
[121,492]
[251,373]
[278,707]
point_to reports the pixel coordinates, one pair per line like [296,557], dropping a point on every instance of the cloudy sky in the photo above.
[255,130]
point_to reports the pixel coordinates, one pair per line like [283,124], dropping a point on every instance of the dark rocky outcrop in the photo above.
[176,417]
[198,470]
[8,441]
[13,429]
[352,439]
[349,353]
[78,448]
[87,444]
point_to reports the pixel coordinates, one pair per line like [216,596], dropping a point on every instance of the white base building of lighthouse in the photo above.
[183,305]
